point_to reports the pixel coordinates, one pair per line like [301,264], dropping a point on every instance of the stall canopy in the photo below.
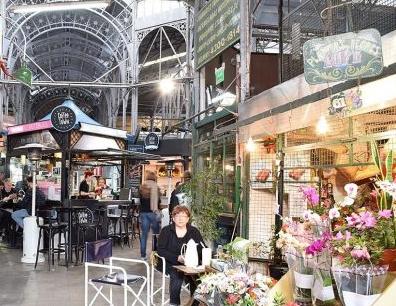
[80,115]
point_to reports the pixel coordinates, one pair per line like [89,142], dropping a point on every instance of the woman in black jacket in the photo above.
[170,242]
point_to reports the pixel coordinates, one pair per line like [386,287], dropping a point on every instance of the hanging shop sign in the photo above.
[219,74]
[135,148]
[63,118]
[343,57]
[343,103]
[217,28]
[151,142]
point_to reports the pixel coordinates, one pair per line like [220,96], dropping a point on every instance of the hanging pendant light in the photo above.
[250,146]
[322,127]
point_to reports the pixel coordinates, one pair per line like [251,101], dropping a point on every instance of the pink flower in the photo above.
[367,219]
[339,236]
[311,194]
[347,235]
[360,253]
[386,214]
[353,219]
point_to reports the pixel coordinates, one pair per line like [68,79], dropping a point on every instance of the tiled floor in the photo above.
[20,284]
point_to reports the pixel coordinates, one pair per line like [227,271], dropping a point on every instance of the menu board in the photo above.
[135,178]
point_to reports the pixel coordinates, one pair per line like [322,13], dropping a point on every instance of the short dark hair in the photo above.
[180,209]
[29,179]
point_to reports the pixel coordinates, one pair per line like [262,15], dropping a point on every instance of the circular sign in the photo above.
[63,118]
[151,142]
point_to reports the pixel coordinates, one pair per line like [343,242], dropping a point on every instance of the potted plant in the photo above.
[385,195]
[206,200]
[358,245]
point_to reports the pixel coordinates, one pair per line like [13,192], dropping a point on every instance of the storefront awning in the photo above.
[116,154]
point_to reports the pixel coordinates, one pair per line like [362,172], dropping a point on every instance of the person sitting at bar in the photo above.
[102,190]
[85,191]
[170,242]
[8,195]
[25,206]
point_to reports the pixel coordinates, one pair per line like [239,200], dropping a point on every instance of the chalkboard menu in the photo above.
[217,28]
[63,118]
[135,178]
[343,57]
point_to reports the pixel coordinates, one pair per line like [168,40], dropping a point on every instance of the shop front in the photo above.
[299,141]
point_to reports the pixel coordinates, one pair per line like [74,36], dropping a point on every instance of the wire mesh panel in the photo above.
[262,198]
[298,173]
[305,23]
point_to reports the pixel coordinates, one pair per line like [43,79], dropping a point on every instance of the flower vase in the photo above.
[389,258]
[303,278]
[360,285]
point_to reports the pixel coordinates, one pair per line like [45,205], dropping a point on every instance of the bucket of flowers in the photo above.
[357,247]
[309,261]
[234,288]
[305,243]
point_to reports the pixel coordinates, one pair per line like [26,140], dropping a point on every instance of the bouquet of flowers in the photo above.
[358,244]
[358,236]
[235,288]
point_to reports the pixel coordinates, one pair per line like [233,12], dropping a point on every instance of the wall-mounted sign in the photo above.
[30,127]
[343,57]
[343,103]
[151,142]
[217,28]
[63,118]
[219,74]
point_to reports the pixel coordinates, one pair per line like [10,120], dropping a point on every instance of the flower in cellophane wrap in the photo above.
[322,290]
[302,268]
[360,285]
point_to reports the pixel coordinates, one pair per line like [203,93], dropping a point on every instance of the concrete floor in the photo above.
[20,284]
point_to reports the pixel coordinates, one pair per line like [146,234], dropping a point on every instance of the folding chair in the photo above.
[158,264]
[117,276]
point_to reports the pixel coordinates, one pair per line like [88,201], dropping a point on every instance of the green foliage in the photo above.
[207,202]
[279,299]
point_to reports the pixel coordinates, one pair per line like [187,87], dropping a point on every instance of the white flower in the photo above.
[307,214]
[348,201]
[351,190]
[334,213]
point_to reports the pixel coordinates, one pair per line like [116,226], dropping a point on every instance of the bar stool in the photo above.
[51,227]
[86,221]
[124,221]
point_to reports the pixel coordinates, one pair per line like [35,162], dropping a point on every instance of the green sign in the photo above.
[219,73]
[23,75]
[343,57]
[217,28]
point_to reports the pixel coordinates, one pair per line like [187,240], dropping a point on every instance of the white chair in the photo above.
[161,289]
[116,276]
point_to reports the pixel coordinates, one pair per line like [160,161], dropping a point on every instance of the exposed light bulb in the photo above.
[250,146]
[167,86]
[322,126]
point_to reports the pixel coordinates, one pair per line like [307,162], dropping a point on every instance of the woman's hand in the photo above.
[180,259]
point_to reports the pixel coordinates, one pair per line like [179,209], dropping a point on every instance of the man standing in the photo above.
[178,195]
[26,204]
